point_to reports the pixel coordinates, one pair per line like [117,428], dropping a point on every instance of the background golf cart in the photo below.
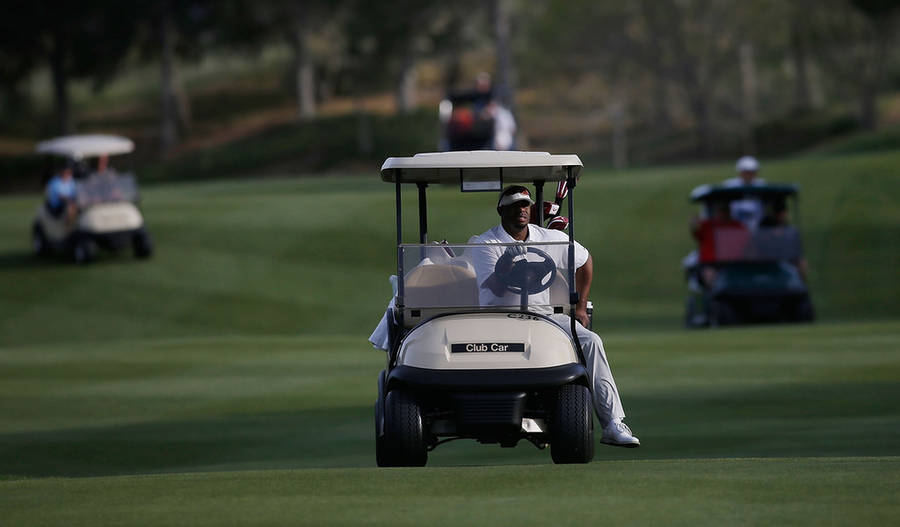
[458,370]
[759,272]
[464,124]
[107,203]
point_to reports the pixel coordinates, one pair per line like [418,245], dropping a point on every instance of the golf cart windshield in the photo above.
[438,279]
[466,277]
[759,224]
[108,186]
[764,244]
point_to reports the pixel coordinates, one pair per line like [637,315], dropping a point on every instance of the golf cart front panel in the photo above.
[107,218]
[471,341]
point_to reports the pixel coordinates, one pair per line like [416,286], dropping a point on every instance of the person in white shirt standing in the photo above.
[514,207]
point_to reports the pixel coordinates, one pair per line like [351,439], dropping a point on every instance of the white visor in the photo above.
[513,198]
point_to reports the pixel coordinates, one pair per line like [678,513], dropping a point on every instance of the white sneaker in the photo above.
[617,433]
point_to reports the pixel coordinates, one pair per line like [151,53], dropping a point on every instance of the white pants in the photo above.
[605,393]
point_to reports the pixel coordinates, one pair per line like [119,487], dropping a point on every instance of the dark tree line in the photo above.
[715,61]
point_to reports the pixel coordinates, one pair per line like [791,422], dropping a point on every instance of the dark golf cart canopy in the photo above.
[481,166]
[706,193]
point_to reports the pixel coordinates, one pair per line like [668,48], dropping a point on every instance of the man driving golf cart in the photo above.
[744,271]
[476,120]
[479,335]
[100,205]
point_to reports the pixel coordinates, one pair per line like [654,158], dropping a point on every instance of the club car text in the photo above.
[488,347]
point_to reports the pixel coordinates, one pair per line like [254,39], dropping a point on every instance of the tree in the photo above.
[19,53]
[853,41]
[84,40]
[388,52]
[504,87]
[881,16]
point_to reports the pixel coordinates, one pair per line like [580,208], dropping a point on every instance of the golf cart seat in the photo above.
[433,289]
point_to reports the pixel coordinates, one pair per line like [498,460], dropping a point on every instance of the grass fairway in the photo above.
[228,381]
[811,491]
[792,425]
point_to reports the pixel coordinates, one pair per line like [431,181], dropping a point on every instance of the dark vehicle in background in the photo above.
[464,123]
[746,271]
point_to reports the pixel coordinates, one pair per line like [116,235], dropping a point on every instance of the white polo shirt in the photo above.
[749,210]
[485,258]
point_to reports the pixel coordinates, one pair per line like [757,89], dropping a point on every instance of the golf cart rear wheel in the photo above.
[572,427]
[404,439]
[143,244]
[803,310]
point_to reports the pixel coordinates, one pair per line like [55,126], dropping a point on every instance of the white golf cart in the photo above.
[458,369]
[106,203]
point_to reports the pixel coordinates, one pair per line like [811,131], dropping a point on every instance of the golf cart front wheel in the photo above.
[721,313]
[572,427]
[143,244]
[404,437]
[39,241]
[84,251]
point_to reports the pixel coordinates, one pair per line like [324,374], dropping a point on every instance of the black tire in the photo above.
[84,251]
[382,458]
[404,439]
[572,426]
[722,314]
[803,310]
[39,243]
[143,244]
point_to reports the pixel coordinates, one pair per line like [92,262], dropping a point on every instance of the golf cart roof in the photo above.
[81,146]
[716,192]
[480,165]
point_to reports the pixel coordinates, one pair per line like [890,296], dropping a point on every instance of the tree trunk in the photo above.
[802,92]
[619,135]
[748,92]
[304,72]
[60,82]
[452,71]
[168,126]
[405,93]
[701,112]
[662,120]
[871,82]
[505,72]
[364,134]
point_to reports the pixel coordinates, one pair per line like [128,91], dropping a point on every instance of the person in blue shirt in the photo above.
[61,194]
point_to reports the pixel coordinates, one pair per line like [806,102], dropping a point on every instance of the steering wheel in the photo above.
[522,276]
